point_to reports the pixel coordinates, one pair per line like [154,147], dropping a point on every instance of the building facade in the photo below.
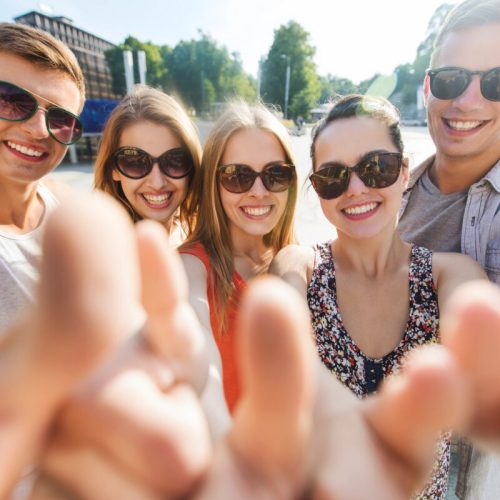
[89,50]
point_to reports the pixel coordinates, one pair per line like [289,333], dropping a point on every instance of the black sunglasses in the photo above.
[136,163]
[376,170]
[450,82]
[237,178]
[18,105]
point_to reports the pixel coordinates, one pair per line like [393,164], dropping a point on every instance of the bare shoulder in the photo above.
[60,190]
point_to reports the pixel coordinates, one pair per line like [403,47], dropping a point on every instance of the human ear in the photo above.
[115,175]
[405,171]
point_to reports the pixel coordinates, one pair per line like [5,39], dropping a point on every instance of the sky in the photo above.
[353,39]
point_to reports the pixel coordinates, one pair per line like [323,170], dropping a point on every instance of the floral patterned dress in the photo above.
[360,373]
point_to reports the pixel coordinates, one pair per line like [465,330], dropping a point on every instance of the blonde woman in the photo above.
[149,158]
[249,192]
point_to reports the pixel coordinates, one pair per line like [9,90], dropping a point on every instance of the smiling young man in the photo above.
[453,200]
[41,93]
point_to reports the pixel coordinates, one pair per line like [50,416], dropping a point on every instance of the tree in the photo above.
[410,76]
[334,86]
[203,73]
[157,74]
[291,41]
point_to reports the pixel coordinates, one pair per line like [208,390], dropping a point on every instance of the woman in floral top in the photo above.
[372,297]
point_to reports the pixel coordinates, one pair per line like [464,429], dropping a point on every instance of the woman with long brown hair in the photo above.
[247,204]
[148,160]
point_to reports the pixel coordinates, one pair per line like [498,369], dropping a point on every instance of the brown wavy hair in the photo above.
[212,226]
[148,104]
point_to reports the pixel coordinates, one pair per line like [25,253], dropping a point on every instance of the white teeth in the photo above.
[24,149]
[257,211]
[360,209]
[460,125]
[157,198]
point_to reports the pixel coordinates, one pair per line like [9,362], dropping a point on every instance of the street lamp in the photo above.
[287,82]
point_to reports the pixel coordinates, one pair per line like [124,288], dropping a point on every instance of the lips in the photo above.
[26,152]
[257,211]
[464,126]
[360,209]
[161,200]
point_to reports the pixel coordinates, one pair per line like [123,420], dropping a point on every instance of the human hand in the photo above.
[297,431]
[136,421]
[471,332]
[77,320]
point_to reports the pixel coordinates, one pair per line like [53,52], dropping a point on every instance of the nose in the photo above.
[156,178]
[36,126]
[258,189]
[471,98]
[356,186]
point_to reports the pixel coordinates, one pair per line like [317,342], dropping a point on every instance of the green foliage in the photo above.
[157,74]
[201,72]
[204,73]
[411,76]
[291,41]
[334,86]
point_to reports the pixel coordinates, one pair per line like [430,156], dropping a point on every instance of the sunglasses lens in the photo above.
[277,178]
[449,83]
[490,85]
[380,171]
[176,163]
[330,182]
[15,104]
[237,178]
[63,126]
[132,163]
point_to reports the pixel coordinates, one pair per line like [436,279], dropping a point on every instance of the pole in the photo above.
[202,78]
[141,59]
[287,85]
[129,70]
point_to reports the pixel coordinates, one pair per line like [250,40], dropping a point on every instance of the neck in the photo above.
[21,209]
[250,254]
[452,174]
[373,257]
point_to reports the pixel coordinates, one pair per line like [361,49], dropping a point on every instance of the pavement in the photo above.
[311,225]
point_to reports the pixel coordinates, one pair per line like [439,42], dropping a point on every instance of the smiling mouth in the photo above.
[157,200]
[33,153]
[464,126]
[360,209]
[257,211]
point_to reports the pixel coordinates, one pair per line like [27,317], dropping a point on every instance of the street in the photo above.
[311,225]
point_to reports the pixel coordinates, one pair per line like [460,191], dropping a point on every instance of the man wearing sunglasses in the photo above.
[41,94]
[453,199]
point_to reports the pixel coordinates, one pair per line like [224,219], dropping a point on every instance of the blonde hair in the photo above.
[212,226]
[148,104]
[43,50]
[467,14]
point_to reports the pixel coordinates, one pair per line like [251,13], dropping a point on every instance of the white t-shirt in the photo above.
[20,256]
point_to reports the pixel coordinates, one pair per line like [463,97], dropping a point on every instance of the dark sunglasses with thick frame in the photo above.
[18,105]
[376,170]
[239,178]
[450,82]
[135,163]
